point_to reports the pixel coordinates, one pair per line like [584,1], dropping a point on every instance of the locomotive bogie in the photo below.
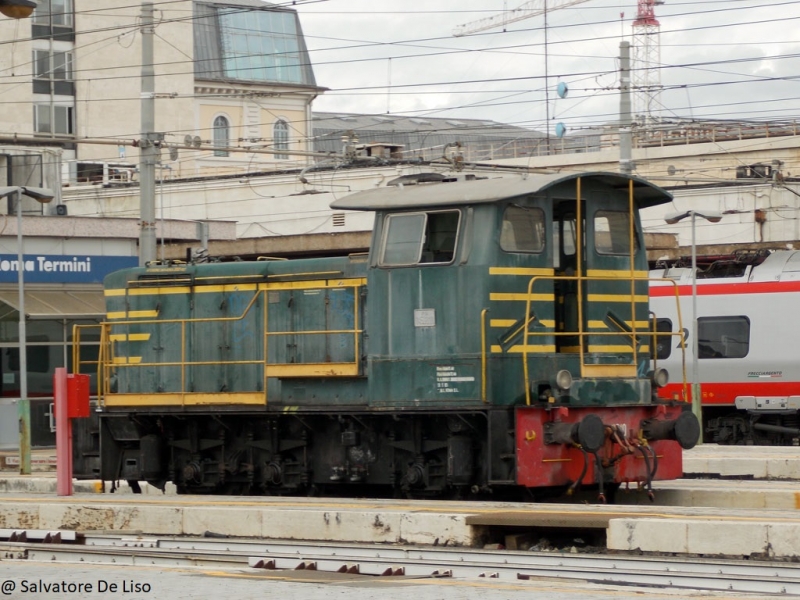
[407,454]
[302,452]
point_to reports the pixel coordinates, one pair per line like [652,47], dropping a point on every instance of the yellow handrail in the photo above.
[581,334]
[484,312]
[108,360]
[76,352]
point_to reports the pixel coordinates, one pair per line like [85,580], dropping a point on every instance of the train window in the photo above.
[38,358]
[416,238]
[403,239]
[723,337]
[569,225]
[661,343]
[522,229]
[612,233]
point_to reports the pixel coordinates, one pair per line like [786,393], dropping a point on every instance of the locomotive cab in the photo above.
[466,285]
[537,314]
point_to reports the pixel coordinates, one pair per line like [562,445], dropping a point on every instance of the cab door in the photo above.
[569,264]
[615,308]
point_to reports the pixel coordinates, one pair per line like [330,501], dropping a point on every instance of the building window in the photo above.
[522,229]
[52,73]
[723,337]
[52,65]
[261,45]
[280,138]
[415,238]
[53,12]
[48,118]
[222,135]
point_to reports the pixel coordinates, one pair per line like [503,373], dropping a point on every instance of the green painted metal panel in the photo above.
[425,382]
[293,314]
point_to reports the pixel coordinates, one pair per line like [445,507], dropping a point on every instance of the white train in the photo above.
[748,358]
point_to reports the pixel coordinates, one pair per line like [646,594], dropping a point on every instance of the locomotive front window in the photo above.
[522,229]
[723,337]
[612,233]
[420,238]
[661,345]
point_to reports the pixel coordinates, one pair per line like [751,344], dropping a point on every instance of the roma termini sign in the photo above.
[50,268]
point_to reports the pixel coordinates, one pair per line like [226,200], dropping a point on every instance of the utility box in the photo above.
[77,395]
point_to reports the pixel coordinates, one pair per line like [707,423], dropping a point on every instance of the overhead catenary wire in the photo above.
[443,109]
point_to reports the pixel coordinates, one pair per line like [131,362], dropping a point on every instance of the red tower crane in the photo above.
[646,68]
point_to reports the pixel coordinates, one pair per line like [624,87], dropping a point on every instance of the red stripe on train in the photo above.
[719,289]
[726,393]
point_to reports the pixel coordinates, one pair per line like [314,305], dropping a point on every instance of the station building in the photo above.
[66,259]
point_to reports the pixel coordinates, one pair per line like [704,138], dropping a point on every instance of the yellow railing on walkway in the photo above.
[635,332]
[113,332]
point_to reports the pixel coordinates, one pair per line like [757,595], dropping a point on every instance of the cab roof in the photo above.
[485,191]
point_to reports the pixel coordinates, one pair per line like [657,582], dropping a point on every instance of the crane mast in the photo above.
[646,61]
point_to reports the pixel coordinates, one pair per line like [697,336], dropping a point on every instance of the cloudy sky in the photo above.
[719,60]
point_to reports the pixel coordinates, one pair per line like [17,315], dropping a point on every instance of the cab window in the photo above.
[612,233]
[522,230]
[420,238]
[660,345]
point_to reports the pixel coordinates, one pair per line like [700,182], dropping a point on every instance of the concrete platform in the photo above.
[751,462]
[763,538]
[711,531]
[755,516]
[744,494]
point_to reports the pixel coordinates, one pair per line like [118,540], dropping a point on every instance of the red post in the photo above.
[63,434]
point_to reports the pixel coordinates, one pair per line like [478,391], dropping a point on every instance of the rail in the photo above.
[695,576]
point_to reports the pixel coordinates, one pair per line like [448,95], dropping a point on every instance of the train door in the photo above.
[565,258]
[615,287]
[600,294]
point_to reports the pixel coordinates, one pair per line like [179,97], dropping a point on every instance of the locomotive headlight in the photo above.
[564,380]
[659,377]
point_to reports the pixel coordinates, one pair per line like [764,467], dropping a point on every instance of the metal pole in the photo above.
[63,434]
[625,119]
[24,407]
[696,398]
[162,212]
[147,152]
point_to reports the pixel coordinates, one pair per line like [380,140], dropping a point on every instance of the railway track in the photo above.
[701,574]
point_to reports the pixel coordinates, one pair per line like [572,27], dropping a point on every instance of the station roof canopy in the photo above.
[58,304]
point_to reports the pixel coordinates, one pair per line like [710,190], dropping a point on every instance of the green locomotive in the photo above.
[495,338]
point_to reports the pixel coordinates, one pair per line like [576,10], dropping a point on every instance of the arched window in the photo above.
[280,138]
[222,135]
